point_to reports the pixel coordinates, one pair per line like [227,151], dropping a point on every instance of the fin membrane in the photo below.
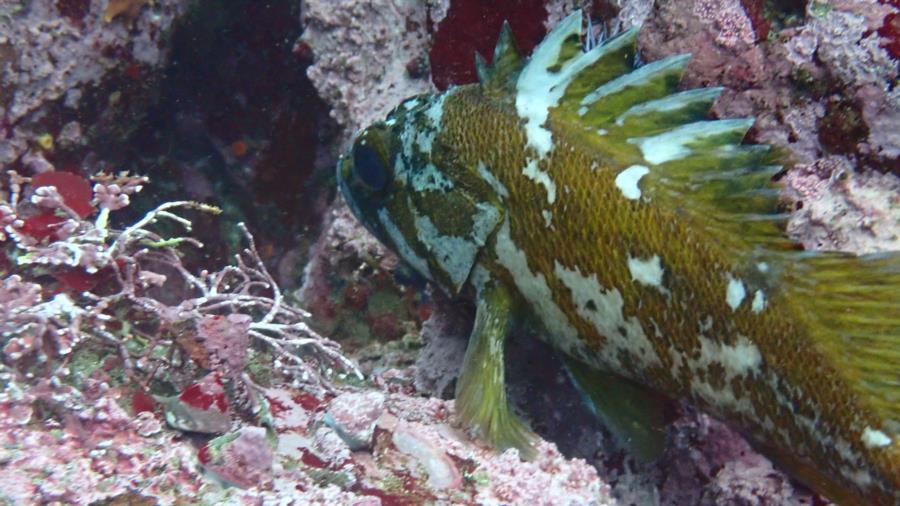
[728,191]
[854,307]
[656,116]
[632,413]
[481,400]
[612,59]
[650,82]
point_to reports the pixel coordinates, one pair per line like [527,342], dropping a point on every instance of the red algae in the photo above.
[472,26]
[307,401]
[77,280]
[204,394]
[890,32]
[41,226]
[75,190]
[75,10]
[141,401]
[755,11]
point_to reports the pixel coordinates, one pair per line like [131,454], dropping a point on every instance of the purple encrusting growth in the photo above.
[242,458]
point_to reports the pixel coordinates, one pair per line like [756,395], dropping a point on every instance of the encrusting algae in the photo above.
[584,191]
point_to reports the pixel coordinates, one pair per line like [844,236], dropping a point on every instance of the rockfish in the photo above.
[582,190]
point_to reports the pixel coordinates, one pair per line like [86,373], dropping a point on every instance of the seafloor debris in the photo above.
[90,449]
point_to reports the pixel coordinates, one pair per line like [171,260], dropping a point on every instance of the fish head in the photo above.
[403,180]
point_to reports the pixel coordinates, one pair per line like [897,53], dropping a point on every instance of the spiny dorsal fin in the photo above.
[650,133]
[560,46]
[684,140]
[702,170]
[656,116]
[738,205]
[615,58]
[652,81]
[555,64]
[498,78]
[853,305]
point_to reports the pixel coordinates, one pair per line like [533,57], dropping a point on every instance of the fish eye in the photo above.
[369,166]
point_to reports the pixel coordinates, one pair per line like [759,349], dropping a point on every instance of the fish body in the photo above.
[589,193]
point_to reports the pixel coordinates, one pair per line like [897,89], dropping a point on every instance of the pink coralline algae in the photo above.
[416,439]
[61,444]
[242,458]
[93,452]
[353,417]
[842,210]
[440,470]
[749,481]
[201,407]
[707,463]
[545,481]
[732,24]
[226,339]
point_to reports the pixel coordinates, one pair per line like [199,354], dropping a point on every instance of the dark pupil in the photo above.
[369,167]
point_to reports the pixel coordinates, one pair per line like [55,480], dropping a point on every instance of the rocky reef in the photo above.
[154,353]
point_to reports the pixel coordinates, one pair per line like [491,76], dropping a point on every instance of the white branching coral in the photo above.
[220,312]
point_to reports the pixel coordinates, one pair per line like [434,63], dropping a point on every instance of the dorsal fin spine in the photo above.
[499,77]
[656,116]
[543,81]
[506,43]
[482,68]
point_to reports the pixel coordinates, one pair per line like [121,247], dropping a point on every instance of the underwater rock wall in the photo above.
[818,76]
[55,52]
[369,55]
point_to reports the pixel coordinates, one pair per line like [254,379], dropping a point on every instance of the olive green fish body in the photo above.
[645,239]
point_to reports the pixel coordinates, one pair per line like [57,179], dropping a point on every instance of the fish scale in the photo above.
[597,199]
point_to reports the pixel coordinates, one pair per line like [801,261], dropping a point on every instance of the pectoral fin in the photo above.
[632,413]
[480,392]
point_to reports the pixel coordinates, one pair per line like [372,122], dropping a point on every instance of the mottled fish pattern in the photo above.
[588,192]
